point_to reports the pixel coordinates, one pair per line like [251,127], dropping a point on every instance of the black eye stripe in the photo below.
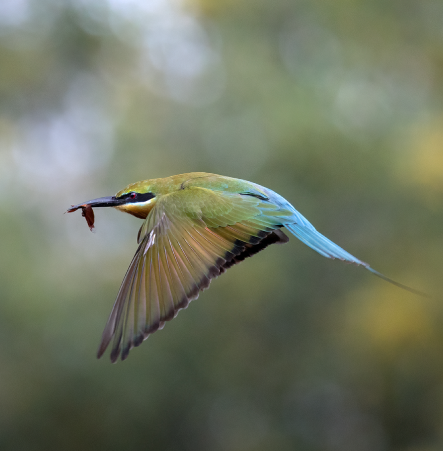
[140,197]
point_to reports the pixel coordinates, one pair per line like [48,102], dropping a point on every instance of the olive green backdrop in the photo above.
[337,106]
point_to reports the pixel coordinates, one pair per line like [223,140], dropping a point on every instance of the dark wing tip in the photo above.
[214,271]
[106,339]
[103,346]
[170,314]
[245,250]
[115,353]
[282,237]
[184,302]
[151,329]
[139,340]
[125,351]
[101,351]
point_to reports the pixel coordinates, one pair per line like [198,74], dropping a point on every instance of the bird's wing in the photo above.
[189,237]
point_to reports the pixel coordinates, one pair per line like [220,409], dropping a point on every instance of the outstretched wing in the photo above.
[189,237]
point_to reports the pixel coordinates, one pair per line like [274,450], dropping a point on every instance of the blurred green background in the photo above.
[337,106]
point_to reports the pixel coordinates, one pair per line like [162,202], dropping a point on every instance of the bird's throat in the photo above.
[138,209]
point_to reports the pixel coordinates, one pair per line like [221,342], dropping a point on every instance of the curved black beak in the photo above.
[100,202]
[87,207]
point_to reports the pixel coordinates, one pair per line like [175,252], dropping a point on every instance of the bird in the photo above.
[196,226]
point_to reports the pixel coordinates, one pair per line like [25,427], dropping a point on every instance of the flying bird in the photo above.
[195,227]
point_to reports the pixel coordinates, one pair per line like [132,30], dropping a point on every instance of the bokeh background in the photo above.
[338,106]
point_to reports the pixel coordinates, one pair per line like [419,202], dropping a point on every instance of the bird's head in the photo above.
[135,199]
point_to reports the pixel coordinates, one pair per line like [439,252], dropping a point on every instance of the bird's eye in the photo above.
[133,195]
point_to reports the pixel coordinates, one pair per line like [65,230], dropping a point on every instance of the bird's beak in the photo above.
[100,202]
[87,207]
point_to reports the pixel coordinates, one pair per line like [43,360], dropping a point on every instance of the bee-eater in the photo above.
[195,227]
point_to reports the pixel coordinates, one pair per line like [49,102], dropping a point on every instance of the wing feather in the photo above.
[114,317]
[178,293]
[153,321]
[189,237]
[141,310]
[188,283]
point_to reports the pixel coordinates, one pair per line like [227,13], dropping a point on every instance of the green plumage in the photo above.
[195,227]
[200,223]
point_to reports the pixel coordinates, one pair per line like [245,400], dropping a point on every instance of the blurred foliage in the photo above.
[335,105]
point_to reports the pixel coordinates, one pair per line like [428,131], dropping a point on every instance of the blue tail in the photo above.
[327,248]
[322,245]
